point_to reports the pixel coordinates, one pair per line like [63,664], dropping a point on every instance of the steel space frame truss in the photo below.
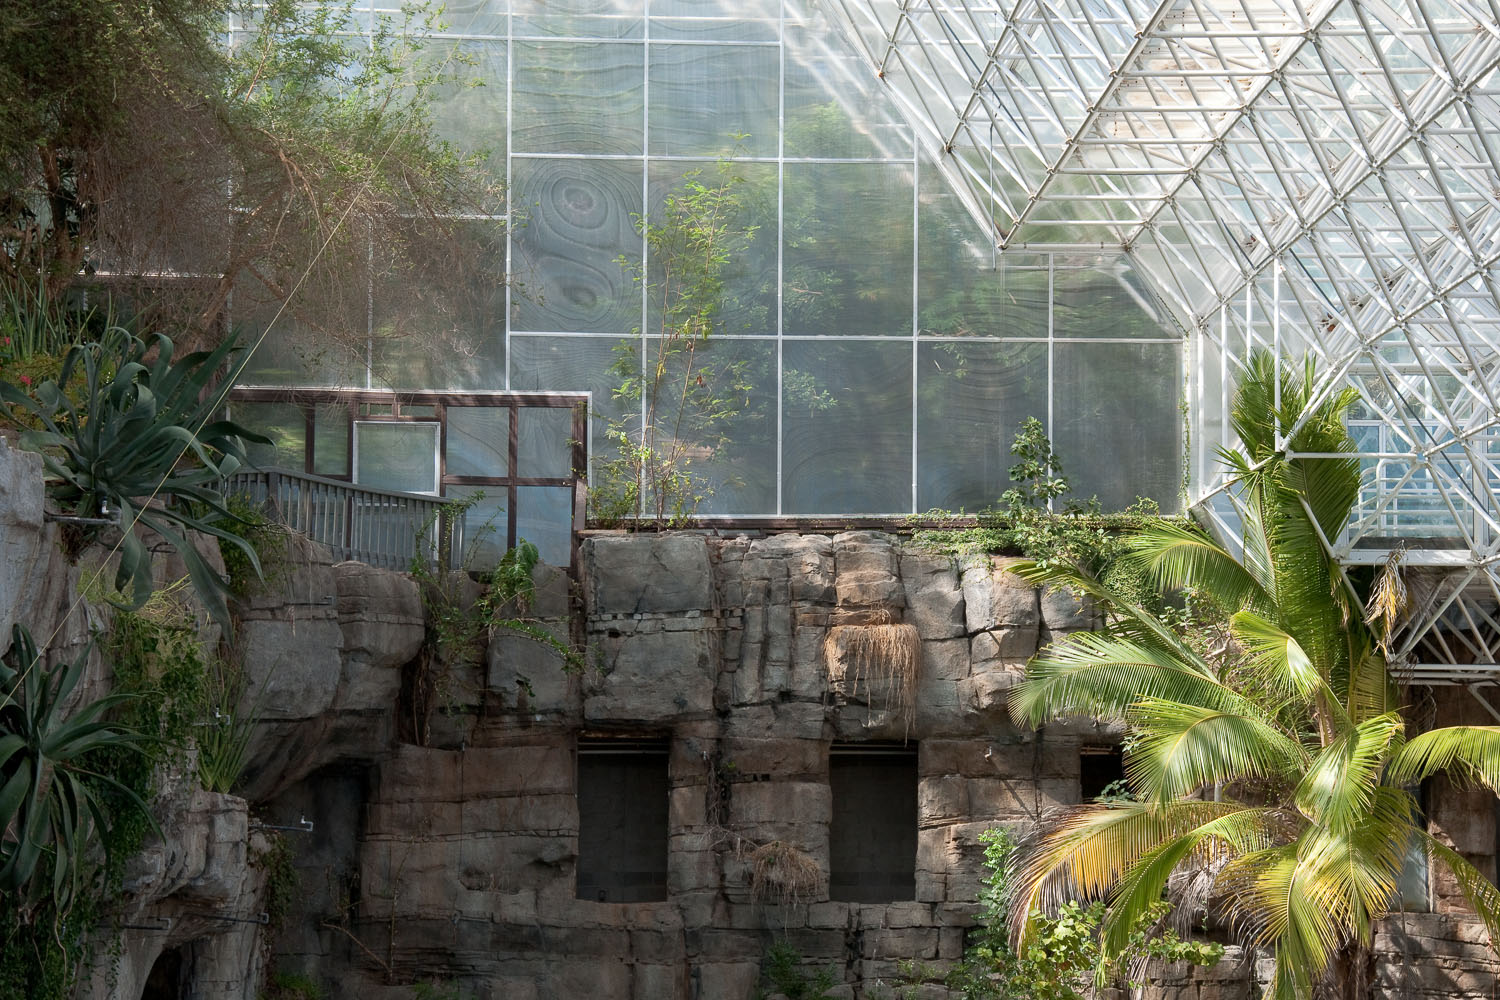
[1315,177]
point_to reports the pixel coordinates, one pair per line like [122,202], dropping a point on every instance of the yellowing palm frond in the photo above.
[1222,837]
[1082,854]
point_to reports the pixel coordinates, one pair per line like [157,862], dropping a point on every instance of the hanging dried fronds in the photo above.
[782,874]
[884,659]
[1388,600]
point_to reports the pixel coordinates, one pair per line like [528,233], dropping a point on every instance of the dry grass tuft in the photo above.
[782,873]
[883,658]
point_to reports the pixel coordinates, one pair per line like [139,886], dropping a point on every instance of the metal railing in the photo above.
[379,527]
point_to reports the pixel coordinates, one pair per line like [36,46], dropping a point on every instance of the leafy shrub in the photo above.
[783,972]
[1063,958]
[142,445]
[52,803]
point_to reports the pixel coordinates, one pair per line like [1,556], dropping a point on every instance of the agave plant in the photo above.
[1278,764]
[50,806]
[141,445]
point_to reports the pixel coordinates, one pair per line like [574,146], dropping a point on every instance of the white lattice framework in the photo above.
[1320,176]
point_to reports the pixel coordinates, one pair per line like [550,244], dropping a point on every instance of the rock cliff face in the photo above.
[718,777]
[464,861]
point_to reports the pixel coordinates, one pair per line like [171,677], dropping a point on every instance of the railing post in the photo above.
[273,494]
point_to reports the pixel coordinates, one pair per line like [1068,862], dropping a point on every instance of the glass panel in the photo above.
[970,399]
[834,106]
[439,308]
[478,442]
[331,440]
[483,542]
[544,448]
[578,18]
[579,97]
[580,218]
[469,109]
[846,430]
[295,352]
[392,456]
[473,17]
[544,517]
[964,287]
[848,249]
[571,364]
[726,430]
[1104,298]
[747,300]
[727,20]
[1116,427]
[284,424]
[704,96]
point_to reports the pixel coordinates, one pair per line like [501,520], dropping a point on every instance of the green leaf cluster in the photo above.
[784,973]
[141,447]
[1062,958]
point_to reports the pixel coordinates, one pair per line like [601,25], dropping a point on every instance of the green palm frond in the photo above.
[1256,540]
[1369,690]
[1181,748]
[1277,657]
[1466,752]
[1476,887]
[1089,673]
[1338,790]
[1174,556]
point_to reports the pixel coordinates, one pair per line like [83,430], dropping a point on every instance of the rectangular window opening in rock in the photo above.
[622,820]
[872,841]
[1100,766]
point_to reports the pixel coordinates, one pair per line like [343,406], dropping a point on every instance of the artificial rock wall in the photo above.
[462,865]
[456,862]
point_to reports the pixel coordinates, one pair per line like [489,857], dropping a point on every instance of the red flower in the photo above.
[26,380]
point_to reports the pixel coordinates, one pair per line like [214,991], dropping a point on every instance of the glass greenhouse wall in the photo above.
[884,350]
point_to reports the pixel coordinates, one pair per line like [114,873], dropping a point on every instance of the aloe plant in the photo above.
[141,444]
[50,809]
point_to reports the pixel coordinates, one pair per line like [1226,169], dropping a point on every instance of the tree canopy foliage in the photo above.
[181,150]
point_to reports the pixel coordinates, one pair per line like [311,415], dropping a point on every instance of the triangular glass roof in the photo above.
[1319,177]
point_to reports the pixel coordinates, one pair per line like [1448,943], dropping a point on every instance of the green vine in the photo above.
[264,537]
[283,883]
[458,631]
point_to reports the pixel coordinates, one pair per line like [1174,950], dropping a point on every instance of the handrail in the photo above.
[384,528]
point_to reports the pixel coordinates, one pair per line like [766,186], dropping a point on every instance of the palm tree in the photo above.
[1274,763]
